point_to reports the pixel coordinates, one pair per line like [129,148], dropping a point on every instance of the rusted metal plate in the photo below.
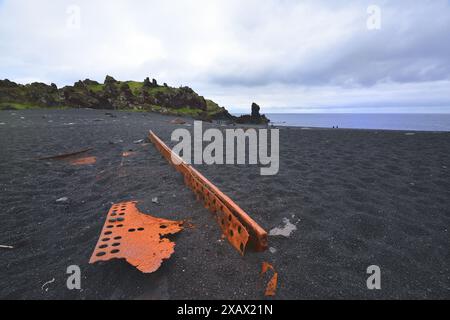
[136,237]
[127,154]
[236,224]
[83,161]
[271,288]
[67,155]
[74,158]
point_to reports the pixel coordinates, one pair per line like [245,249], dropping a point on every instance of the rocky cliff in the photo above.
[112,94]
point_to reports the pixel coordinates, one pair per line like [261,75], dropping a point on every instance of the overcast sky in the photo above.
[288,56]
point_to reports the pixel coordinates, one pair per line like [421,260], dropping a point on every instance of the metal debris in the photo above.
[66,155]
[6,247]
[64,199]
[137,237]
[83,161]
[128,154]
[271,288]
[235,223]
[155,200]
[139,141]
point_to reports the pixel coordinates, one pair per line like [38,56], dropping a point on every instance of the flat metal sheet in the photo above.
[136,237]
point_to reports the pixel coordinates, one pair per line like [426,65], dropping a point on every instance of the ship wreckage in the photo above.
[141,239]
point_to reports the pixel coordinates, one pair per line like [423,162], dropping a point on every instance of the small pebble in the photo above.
[65,199]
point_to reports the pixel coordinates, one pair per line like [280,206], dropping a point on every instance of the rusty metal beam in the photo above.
[236,224]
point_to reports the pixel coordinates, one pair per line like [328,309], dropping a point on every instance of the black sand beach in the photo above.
[358,198]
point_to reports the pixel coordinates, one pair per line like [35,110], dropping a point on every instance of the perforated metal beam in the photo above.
[239,228]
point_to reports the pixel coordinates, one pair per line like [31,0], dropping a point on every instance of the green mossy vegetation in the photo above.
[25,106]
[112,94]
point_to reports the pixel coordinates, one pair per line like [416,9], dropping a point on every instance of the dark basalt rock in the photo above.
[110,80]
[254,118]
[89,82]
[8,84]
[255,110]
[147,84]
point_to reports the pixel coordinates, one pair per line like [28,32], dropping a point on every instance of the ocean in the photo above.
[410,122]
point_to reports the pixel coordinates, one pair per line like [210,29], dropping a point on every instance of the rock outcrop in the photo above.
[118,95]
[112,94]
[255,117]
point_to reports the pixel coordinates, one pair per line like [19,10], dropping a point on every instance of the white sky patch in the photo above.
[288,56]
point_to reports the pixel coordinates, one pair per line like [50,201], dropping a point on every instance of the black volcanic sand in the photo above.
[358,198]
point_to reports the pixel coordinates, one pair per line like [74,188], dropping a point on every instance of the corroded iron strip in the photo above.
[67,155]
[234,221]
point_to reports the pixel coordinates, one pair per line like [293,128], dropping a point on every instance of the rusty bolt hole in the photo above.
[101,254]
[106,239]
[117,244]
[107,233]
[104,246]
[118,238]
[115,251]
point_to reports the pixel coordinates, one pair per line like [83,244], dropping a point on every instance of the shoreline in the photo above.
[360,129]
[220,122]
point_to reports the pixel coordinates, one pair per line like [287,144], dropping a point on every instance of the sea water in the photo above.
[412,122]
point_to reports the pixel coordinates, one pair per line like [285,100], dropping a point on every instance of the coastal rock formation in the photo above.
[112,94]
[121,95]
[255,117]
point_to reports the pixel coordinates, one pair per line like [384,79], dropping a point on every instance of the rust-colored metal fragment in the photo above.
[83,161]
[127,154]
[137,237]
[239,228]
[271,288]
[66,155]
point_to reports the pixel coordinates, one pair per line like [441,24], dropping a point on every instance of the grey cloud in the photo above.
[410,47]
[283,53]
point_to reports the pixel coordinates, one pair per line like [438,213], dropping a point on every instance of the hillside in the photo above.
[112,94]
